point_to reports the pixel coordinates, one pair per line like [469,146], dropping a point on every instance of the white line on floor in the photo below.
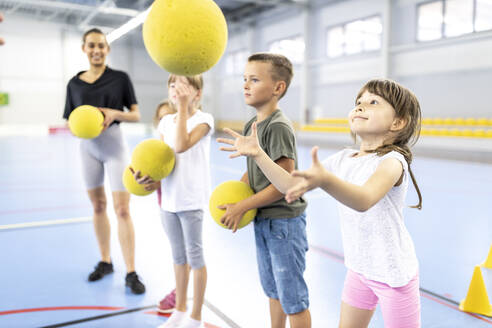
[44,223]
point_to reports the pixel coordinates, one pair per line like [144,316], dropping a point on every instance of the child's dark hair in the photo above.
[92,30]
[407,107]
[281,67]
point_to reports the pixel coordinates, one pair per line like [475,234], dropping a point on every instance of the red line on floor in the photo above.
[454,307]
[158,313]
[329,253]
[57,308]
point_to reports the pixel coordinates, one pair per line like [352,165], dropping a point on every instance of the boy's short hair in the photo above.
[281,67]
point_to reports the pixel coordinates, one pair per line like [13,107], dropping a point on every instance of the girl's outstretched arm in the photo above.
[359,198]
[310,179]
[249,146]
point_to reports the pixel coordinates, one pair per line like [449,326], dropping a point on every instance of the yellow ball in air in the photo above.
[86,122]
[185,37]
[132,186]
[231,192]
[154,158]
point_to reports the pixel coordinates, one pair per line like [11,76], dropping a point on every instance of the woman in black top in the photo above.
[1,39]
[111,91]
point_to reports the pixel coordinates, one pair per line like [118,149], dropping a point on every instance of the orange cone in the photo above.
[488,262]
[477,300]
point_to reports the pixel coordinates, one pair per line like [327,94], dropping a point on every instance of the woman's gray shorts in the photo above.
[108,151]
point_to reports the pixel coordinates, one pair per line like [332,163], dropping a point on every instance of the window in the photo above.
[430,21]
[235,62]
[362,35]
[458,17]
[373,32]
[450,18]
[483,16]
[292,48]
[354,37]
[335,43]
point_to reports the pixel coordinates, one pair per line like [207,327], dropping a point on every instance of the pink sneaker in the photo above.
[167,304]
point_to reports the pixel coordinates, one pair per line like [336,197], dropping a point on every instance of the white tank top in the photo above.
[376,242]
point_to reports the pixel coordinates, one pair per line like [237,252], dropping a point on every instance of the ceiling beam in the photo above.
[260,2]
[94,13]
[13,9]
[272,2]
[76,7]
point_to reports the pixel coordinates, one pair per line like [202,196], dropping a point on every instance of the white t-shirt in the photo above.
[188,186]
[376,242]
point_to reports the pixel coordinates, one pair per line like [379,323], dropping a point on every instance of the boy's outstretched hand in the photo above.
[242,145]
[311,178]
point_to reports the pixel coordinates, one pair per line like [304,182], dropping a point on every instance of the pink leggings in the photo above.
[400,306]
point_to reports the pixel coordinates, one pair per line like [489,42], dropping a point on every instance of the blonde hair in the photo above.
[407,108]
[157,118]
[196,81]
[281,67]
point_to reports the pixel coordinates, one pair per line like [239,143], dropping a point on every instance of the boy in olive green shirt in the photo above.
[280,227]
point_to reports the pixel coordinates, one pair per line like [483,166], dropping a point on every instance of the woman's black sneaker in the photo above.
[102,269]
[134,283]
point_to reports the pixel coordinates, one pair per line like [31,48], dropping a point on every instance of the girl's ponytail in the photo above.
[407,154]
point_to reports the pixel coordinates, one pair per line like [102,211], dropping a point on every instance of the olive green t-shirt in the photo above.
[277,139]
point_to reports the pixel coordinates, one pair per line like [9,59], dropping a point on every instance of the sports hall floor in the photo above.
[47,246]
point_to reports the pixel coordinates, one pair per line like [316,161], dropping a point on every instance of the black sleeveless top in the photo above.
[113,89]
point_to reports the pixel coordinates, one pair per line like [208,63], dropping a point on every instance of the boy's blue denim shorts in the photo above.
[281,246]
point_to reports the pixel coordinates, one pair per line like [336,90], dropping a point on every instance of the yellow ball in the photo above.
[86,122]
[231,192]
[132,186]
[154,158]
[185,37]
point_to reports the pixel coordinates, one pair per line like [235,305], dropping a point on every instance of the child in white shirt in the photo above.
[371,185]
